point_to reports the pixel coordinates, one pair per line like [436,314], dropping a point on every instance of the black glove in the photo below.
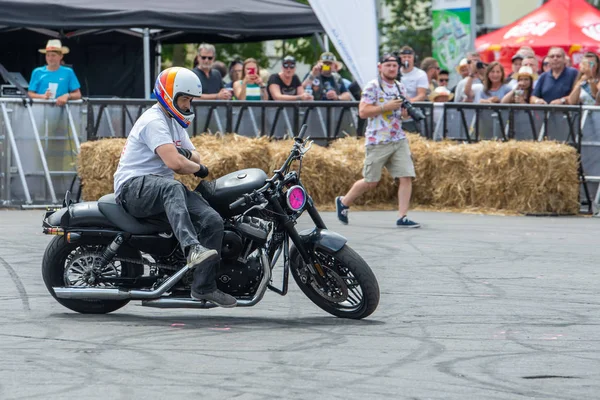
[185,152]
[203,172]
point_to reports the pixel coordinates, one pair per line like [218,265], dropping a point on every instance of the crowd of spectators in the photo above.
[551,81]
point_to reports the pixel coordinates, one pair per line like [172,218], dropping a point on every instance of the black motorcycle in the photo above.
[102,257]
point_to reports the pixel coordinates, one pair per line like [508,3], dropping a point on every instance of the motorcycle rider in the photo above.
[157,147]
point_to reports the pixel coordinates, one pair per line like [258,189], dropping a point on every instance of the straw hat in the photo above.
[330,57]
[440,91]
[55,45]
[526,71]
[463,63]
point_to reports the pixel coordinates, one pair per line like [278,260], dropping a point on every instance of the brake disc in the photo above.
[335,289]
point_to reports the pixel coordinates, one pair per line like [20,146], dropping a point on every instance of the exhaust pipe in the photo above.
[152,298]
[190,303]
[118,294]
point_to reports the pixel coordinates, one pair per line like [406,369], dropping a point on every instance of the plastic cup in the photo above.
[53,87]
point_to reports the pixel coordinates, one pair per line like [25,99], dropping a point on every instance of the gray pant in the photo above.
[192,219]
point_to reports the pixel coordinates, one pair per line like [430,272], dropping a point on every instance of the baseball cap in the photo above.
[385,57]
[406,50]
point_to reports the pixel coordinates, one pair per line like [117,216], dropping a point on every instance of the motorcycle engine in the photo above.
[239,279]
[240,271]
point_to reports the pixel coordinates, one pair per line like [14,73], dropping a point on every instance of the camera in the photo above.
[414,112]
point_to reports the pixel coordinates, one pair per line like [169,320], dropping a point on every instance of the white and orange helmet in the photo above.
[172,83]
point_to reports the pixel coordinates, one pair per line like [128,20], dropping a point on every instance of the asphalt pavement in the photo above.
[472,307]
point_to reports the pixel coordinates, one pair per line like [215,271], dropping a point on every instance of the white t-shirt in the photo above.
[459,92]
[417,78]
[154,128]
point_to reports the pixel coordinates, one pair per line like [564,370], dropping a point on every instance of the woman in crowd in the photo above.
[492,90]
[251,86]
[235,72]
[585,88]
[522,93]
[286,86]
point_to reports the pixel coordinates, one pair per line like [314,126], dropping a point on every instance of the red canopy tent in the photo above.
[573,25]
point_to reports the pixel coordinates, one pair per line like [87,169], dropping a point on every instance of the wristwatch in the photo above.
[563,100]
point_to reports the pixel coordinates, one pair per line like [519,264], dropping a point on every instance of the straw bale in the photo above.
[529,177]
[99,159]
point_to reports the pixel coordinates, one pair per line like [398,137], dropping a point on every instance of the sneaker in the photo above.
[199,254]
[342,210]
[407,223]
[217,297]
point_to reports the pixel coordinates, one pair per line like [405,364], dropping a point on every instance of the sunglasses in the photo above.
[443,80]
[289,65]
[207,57]
[545,64]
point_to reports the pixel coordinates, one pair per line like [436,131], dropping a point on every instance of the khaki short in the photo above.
[395,156]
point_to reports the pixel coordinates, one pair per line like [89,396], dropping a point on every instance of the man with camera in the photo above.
[384,102]
[476,69]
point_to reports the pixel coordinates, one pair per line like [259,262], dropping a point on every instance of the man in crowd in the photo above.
[431,68]
[414,79]
[516,62]
[554,86]
[386,144]
[324,83]
[443,77]
[528,61]
[54,81]
[211,79]
[286,86]
[473,64]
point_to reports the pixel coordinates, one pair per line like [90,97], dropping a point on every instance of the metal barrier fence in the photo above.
[39,141]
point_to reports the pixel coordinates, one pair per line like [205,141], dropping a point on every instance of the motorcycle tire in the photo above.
[357,270]
[53,266]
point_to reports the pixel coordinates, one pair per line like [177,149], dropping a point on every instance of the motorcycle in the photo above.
[101,257]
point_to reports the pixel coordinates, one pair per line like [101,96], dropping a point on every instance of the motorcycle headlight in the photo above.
[296,198]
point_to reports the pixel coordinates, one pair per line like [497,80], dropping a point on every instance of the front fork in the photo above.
[289,226]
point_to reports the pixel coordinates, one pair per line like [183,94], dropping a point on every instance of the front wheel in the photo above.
[349,289]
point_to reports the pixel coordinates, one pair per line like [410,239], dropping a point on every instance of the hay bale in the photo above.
[225,154]
[526,177]
[99,159]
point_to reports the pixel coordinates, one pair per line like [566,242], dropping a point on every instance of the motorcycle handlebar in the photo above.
[239,202]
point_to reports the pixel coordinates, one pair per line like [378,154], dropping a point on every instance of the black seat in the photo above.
[121,219]
[85,214]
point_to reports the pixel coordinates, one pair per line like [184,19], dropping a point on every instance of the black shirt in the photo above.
[322,84]
[291,89]
[212,84]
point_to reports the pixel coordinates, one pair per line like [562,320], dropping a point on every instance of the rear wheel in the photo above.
[66,264]
[349,289]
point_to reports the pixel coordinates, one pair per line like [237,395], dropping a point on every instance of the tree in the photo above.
[410,24]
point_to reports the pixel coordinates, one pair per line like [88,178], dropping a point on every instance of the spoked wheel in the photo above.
[71,265]
[349,288]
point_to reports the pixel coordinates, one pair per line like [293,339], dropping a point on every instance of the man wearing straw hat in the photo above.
[54,81]
[386,144]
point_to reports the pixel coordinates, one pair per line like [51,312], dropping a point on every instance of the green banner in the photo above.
[451,33]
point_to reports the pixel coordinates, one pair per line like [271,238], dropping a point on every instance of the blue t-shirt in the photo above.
[64,76]
[549,88]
